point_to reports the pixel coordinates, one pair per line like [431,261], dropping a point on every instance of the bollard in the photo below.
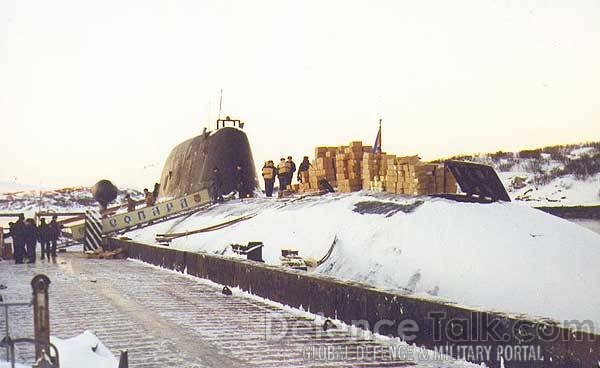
[124,359]
[41,315]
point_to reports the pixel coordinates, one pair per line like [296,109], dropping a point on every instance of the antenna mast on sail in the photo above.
[220,103]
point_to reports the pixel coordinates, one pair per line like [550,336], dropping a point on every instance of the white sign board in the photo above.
[160,210]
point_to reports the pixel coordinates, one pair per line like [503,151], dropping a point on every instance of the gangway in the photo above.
[97,225]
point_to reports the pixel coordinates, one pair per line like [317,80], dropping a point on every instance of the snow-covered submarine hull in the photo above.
[189,167]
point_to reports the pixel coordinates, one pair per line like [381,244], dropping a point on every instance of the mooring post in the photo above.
[124,359]
[41,315]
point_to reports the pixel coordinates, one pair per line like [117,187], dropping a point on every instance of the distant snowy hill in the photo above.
[550,176]
[503,256]
[76,198]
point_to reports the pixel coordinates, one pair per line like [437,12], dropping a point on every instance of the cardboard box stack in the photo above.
[370,169]
[322,167]
[355,167]
[408,175]
[349,167]
[304,186]
[374,171]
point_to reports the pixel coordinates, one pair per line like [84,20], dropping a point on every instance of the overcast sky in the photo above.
[105,89]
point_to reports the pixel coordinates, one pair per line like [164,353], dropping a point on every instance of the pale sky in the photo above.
[105,89]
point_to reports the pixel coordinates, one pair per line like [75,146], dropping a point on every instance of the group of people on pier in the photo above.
[26,235]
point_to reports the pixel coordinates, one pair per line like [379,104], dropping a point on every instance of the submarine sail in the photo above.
[189,167]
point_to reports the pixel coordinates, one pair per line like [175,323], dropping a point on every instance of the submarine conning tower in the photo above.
[189,166]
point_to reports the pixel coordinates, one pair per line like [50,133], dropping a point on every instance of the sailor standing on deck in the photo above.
[149,198]
[54,234]
[268,172]
[304,166]
[282,173]
[43,235]
[292,167]
[130,203]
[17,233]
[30,235]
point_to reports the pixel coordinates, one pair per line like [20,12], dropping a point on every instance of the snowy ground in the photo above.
[166,319]
[548,179]
[84,350]
[502,256]
[27,200]
[593,225]
[562,191]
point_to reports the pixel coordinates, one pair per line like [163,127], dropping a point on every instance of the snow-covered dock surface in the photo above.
[165,319]
[506,257]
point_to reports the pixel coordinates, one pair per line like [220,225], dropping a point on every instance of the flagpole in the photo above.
[380,137]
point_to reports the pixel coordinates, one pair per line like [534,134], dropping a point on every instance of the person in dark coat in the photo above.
[30,235]
[240,181]
[292,166]
[17,233]
[269,171]
[149,198]
[53,234]
[217,183]
[304,166]
[130,203]
[43,235]
[155,191]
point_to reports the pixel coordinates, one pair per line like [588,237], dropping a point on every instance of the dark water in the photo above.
[593,225]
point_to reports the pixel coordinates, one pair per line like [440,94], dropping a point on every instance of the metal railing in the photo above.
[41,322]
[44,358]
[45,361]
[7,340]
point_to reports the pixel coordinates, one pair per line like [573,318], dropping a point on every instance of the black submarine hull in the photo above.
[189,167]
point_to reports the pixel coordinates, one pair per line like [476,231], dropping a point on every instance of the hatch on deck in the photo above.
[479,183]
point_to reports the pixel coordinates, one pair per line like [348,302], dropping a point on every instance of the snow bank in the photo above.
[502,256]
[562,191]
[84,350]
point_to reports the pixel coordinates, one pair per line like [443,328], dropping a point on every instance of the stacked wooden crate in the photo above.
[351,160]
[377,185]
[341,165]
[408,175]
[322,167]
[304,186]
[391,176]
[355,167]
[374,170]
[370,169]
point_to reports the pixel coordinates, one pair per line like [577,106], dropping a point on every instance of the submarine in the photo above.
[189,167]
